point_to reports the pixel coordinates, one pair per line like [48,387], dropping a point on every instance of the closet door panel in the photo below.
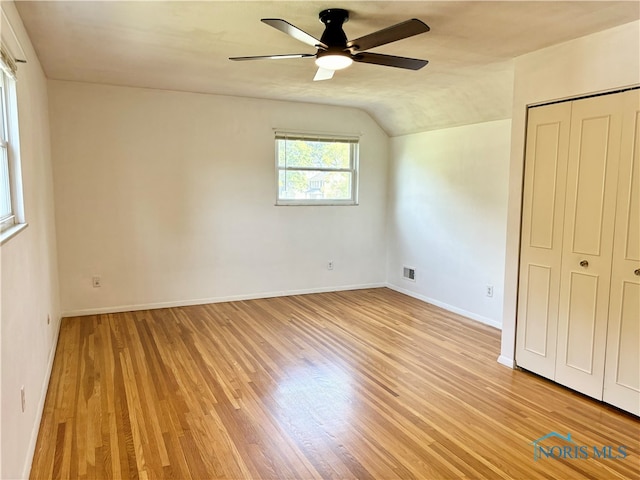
[541,241]
[537,307]
[594,150]
[589,194]
[622,369]
[581,321]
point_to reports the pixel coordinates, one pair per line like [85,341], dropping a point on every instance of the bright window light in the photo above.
[316,169]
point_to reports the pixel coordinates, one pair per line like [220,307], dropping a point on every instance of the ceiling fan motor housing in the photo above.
[334,36]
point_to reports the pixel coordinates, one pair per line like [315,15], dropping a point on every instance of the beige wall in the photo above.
[600,62]
[447,217]
[29,287]
[169,197]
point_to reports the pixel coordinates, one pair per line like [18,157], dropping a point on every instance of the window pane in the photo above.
[3,132]
[310,153]
[314,185]
[5,193]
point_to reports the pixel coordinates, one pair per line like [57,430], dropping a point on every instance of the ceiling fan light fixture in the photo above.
[334,51]
[334,61]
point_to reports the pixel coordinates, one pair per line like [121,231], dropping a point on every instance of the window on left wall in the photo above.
[11,204]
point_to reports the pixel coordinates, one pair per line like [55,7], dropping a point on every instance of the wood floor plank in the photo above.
[367,384]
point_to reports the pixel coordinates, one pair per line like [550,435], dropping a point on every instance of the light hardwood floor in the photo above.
[367,384]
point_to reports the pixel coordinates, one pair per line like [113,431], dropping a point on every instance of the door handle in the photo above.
[636,272]
[584,263]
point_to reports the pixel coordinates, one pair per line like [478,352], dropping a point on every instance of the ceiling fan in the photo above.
[335,52]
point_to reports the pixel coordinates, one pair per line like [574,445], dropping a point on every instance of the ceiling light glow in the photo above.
[333,61]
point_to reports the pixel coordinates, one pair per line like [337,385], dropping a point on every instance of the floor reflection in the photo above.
[315,396]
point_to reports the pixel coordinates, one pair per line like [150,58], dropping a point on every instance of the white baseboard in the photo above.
[450,308]
[204,301]
[26,469]
[506,361]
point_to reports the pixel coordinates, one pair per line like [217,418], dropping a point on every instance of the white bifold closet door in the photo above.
[592,177]
[622,366]
[579,291]
[541,238]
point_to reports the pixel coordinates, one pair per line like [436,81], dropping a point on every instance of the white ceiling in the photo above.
[185,46]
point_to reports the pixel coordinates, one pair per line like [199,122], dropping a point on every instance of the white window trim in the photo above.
[353,140]
[11,226]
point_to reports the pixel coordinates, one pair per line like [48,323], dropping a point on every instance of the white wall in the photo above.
[603,61]
[170,196]
[29,287]
[447,216]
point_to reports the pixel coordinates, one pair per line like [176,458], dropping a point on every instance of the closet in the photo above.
[579,281]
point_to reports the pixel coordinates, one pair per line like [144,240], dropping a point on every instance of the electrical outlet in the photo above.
[23,400]
[96,281]
[330,265]
[489,291]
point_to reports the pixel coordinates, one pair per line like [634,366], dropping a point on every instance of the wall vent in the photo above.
[409,273]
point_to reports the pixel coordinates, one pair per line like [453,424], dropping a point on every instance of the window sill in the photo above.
[317,203]
[11,232]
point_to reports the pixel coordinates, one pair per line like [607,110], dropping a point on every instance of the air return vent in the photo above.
[409,273]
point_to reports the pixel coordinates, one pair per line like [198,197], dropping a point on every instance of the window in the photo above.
[316,169]
[11,214]
[6,212]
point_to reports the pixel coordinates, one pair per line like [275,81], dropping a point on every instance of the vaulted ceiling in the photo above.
[185,46]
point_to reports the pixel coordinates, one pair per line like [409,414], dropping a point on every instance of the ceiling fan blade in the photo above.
[274,57]
[323,74]
[390,60]
[390,34]
[293,31]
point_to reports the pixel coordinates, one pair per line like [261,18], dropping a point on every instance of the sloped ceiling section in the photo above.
[185,46]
